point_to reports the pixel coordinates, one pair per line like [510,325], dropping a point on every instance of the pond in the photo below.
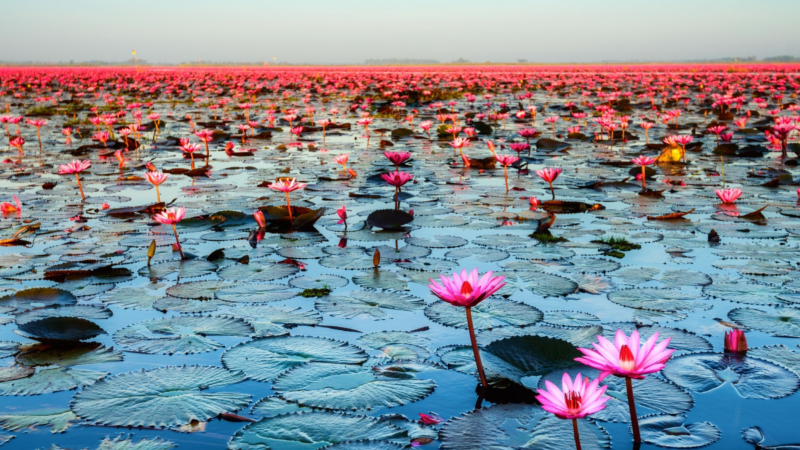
[320,330]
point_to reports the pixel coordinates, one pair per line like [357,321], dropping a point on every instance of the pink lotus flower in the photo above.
[17,143]
[549,174]
[172,216]
[397,158]
[260,220]
[287,186]
[105,206]
[397,179]
[156,178]
[575,400]
[735,342]
[643,161]
[342,159]
[342,212]
[728,195]
[468,290]
[626,357]
[630,359]
[506,160]
[6,207]
[535,202]
[75,167]
[465,289]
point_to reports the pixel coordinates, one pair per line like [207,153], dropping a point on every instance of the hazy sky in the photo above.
[350,31]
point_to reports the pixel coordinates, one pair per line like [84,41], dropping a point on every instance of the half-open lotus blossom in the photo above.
[467,290]
[172,216]
[17,143]
[75,167]
[506,160]
[397,179]
[7,208]
[535,202]
[549,174]
[260,220]
[38,123]
[736,342]
[627,357]
[156,178]
[426,125]
[643,161]
[728,195]
[397,158]
[342,212]
[646,126]
[286,186]
[575,400]
[342,159]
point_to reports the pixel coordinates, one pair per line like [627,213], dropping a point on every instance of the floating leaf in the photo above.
[514,358]
[538,283]
[663,300]
[46,381]
[478,254]
[344,387]
[31,298]
[484,428]
[270,321]
[257,271]
[265,359]
[552,433]
[673,432]
[256,293]
[316,428]
[364,445]
[162,397]
[751,377]
[75,354]
[490,313]
[57,421]
[742,291]
[784,322]
[367,303]
[197,290]
[181,334]
[318,282]
[381,279]
[61,329]
[778,354]
[184,269]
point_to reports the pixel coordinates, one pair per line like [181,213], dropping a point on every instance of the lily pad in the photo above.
[347,387]
[672,431]
[751,377]
[181,334]
[311,428]
[46,381]
[784,322]
[162,397]
[265,359]
[490,313]
[367,303]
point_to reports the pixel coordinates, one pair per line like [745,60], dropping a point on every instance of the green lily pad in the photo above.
[161,397]
[265,359]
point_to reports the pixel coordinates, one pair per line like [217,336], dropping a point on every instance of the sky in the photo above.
[351,31]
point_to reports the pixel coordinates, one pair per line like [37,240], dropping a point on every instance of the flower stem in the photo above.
[78,178]
[505,173]
[289,208]
[632,407]
[643,175]
[158,195]
[475,347]
[177,242]
[575,432]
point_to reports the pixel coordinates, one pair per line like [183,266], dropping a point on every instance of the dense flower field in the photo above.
[377,258]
